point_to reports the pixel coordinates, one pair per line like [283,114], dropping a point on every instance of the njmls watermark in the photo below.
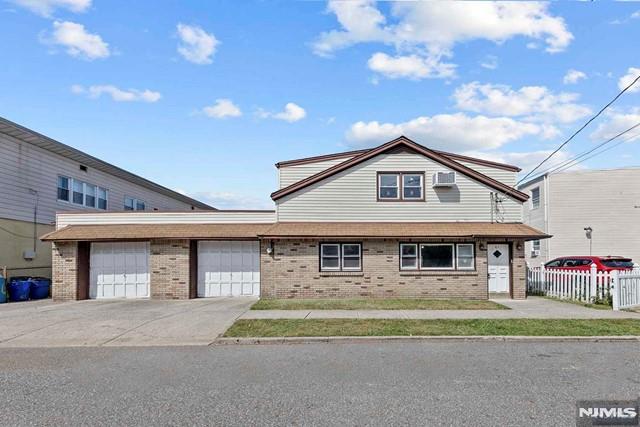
[607,413]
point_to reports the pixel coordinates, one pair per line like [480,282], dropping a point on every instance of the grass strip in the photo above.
[583,304]
[376,304]
[432,327]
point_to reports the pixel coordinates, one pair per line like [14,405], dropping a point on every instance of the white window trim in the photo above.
[338,256]
[69,183]
[421,176]
[72,181]
[453,256]
[342,257]
[135,203]
[533,206]
[106,198]
[473,256]
[380,186]
[417,257]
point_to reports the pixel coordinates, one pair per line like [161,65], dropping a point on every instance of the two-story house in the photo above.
[605,201]
[398,220]
[40,176]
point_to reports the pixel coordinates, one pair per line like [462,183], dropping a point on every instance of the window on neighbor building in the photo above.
[340,257]
[535,198]
[535,245]
[405,186]
[81,193]
[133,204]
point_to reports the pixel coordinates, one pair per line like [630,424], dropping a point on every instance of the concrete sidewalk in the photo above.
[531,308]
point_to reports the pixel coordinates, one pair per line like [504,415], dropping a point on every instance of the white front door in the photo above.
[228,268]
[498,265]
[119,270]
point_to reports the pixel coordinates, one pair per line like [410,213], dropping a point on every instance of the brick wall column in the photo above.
[64,257]
[169,269]
[519,273]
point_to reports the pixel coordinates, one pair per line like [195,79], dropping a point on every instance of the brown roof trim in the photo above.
[402,140]
[321,158]
[354,153]
[166,211]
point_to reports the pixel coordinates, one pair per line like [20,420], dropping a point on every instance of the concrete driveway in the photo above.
[118,322]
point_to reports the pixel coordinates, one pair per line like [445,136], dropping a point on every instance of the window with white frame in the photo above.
[133,204]
[401,186]
[340,257]
[437,256]
[409,256]
[464,256]
[535,198]
[81,193]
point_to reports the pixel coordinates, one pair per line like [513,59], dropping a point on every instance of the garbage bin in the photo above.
[19,289]
[3,290]
[39,288]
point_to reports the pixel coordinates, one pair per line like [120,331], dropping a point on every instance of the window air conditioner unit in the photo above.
[535,252]
[444,179]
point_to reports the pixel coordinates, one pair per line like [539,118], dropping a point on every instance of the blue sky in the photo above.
[205,97]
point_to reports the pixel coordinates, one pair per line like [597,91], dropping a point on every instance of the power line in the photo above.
[596,154]
[553,168]
[580,130]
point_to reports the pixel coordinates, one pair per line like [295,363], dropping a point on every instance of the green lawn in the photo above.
[389,327]
[375,304]
[584,304]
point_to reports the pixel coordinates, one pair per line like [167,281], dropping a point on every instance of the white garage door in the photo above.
[228,268]
[119,270]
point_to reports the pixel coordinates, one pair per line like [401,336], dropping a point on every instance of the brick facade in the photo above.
[169,269]
[64,284]
[292,271]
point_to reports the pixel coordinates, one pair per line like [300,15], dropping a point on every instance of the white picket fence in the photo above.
[587,286]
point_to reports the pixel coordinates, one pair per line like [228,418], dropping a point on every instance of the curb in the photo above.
[420,338]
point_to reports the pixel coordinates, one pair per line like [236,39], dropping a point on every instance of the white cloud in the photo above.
[635,15]
[292,113]
[573,77]
[452,132]
[228,200]
[432,29]
[47,7]
[535,103]
[413,67]
[78,42]
[222,109]
[617,122]
[118,95]
[632,74]
[196,45]
[490,62]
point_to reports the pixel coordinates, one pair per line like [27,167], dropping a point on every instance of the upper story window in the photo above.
[340,257]
[133,204]
[81,193]
[401,186]
[535,198]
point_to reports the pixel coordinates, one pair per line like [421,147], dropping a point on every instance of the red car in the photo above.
[603,263]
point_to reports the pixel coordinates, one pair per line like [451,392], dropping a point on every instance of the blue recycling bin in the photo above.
[40,287]
[19,289]
[3,290]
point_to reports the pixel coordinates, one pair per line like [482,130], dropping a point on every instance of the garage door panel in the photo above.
[119,270]
[228,268]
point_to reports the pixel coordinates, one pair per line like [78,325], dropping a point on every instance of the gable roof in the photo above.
[454,156]
[44,142]
[399,142]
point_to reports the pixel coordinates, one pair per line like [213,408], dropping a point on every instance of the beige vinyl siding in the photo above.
[24,166]
[351,196]
[295,173]
[607,201]
[194,217]
[536,218]
[292,174]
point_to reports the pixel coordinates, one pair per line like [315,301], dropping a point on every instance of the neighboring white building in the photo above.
[564,204]
[40,176]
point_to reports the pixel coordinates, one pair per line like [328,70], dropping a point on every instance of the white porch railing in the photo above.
[623,287]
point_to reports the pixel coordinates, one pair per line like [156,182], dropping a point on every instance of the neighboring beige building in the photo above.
[397,220]
[564,204]
[40,176]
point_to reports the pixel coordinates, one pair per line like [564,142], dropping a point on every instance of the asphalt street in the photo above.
[395,383]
